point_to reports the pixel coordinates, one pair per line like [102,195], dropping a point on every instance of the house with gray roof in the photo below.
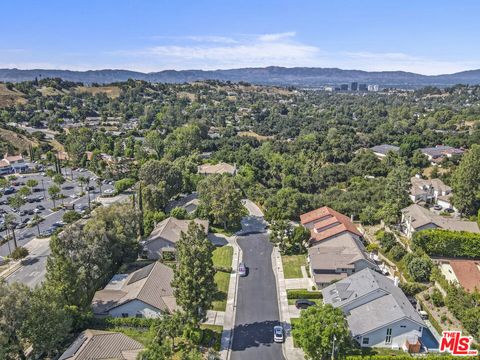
[436,154]
[417,218]
[101,345]
[382,150]
[377,311]
[146,292]
[430,191]
[165,236]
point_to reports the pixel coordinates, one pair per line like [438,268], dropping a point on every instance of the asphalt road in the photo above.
[257,305]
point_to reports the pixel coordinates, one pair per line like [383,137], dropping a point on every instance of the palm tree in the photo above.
[36,220]
[9,224]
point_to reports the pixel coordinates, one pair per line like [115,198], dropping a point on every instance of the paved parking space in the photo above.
[69,189]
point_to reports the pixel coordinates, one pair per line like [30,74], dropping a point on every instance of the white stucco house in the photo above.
[377,311]
[146,293]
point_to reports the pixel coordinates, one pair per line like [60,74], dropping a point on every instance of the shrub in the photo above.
[437,298]
[304,294]
[372,247]
[227,269]
[448,243]
[19,253]
[387,240]
[420,268]
[412,288]
[179,213]
[168,256]
[397,252]
[124,184]
[71,216]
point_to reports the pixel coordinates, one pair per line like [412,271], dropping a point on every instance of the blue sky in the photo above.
[425,36]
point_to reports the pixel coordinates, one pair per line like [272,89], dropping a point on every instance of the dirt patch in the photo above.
[111,91]
[17,141]
[255,135]
[10,97]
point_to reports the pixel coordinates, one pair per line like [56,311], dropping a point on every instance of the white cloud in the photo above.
[277,36]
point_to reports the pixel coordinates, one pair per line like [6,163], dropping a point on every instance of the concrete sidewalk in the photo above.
[289,351]
[215,318]
[229,315]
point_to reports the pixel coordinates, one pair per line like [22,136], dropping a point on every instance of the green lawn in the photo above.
[222,259]
[292,264]
[222,256]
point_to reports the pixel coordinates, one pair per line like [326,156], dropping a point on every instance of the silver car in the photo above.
[242,270]
[278,334]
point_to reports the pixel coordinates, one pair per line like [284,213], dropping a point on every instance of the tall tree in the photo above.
[320,330]
[466,182]
[221,200]
[54,193]
[193,283]
[13,313]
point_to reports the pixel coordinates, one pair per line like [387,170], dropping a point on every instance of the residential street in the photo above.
[257,304]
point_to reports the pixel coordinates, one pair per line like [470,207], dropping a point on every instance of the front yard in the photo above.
[292,266]
[222,260]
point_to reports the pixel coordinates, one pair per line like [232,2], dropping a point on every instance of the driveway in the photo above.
[257,304]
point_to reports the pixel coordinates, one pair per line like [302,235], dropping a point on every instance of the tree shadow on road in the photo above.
[253,335]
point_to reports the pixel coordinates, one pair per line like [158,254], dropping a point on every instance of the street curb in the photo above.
[228,333]
[5,274]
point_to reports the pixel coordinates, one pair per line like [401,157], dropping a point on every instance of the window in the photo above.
[365,341]
[124,315]
[388,338]
[403,326]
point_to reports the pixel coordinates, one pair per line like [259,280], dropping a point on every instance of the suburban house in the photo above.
[416,218]
[336,249]
[220,168]
[188,202]
[165,236]
[436,154]
[465,273]
[430,191]
[382,150]
[12,164]
[377,311]
[97,344]
[144,293]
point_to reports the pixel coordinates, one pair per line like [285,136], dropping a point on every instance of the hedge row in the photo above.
[304,294]
[127,322]
[227,269]
[437,242]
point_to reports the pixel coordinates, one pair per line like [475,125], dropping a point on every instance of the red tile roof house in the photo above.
[336,249]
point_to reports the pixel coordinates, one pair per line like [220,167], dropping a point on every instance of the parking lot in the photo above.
[39,202]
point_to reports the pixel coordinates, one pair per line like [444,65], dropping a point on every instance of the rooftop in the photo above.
[150,284]
[96,345]
[384,149]
[388,303]
[220,168]
[467,273]
[420,217]
[328,223]
[441,150]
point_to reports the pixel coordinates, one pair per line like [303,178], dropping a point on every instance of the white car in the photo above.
[278,334]
[74,196]
[109,191]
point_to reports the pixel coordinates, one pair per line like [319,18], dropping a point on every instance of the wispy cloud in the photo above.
[277,36]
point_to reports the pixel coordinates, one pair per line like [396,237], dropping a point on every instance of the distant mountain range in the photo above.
[272,75]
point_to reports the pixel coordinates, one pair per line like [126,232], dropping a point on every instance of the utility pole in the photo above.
[333,347]
[43,188]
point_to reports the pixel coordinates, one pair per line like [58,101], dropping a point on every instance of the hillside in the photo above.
[273,75]
[9,97]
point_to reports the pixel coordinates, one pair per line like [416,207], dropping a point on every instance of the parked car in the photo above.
[109,191]
[22,212]
[242,270]
[278,334]
[47,233]
[30,212]
[303,303]
[449,210]
[437,207]
[74,196]
[58,224]
[40,207]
